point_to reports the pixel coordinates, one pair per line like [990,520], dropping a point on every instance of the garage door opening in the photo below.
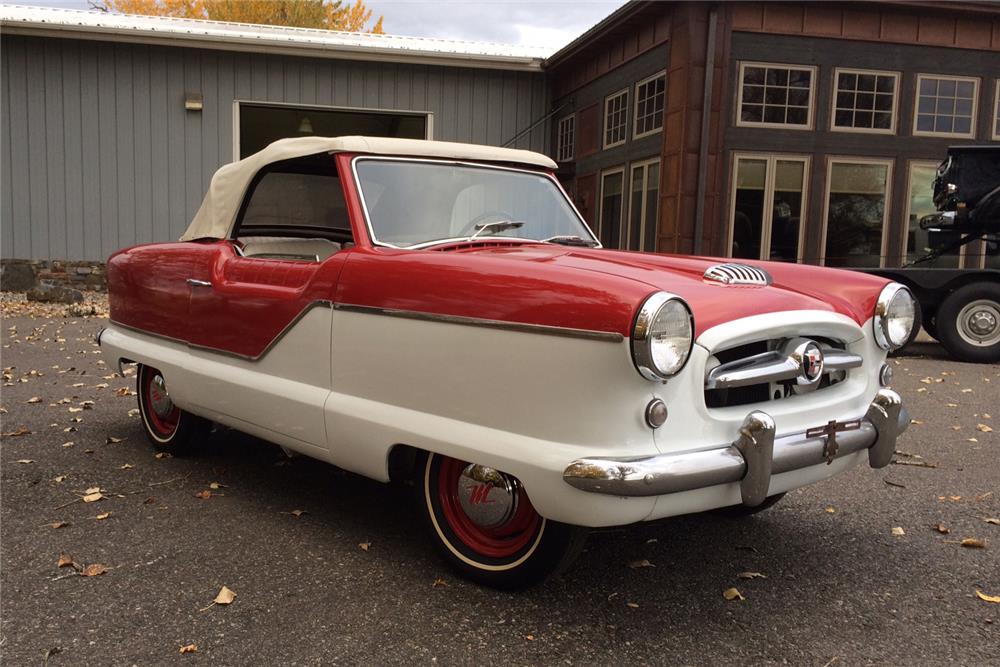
[262,124]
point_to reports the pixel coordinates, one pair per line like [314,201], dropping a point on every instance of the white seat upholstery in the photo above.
[287,245]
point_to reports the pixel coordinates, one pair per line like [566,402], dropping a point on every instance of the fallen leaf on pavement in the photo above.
[995,522]
[732,594]
[898,531]
[943,529]
[636,564]
[216,485]
[25,461]
[65,560]
[163,455]
[751,575]
[204,495]
[190,648]
[633,605]
[440,583]
[973,543]
[58,479]
[830,510]
[58,524]
[365,546]
[113,440]
[34,399]
[102,517]
[297,513]
[984,428]
[125,466]
[225,596]
[93,570]
[530,638]
[93,496]
[988,598]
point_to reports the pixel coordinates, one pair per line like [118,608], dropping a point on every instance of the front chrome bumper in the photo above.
[751,459]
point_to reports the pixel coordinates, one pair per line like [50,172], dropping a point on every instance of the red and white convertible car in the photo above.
[441,313]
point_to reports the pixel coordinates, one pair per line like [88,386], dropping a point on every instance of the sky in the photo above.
[550,24]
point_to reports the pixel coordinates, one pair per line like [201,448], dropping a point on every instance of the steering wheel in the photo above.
[470,227]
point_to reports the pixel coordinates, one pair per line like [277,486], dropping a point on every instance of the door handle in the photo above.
[194,282]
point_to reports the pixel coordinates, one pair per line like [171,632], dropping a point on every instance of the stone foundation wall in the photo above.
[21,275]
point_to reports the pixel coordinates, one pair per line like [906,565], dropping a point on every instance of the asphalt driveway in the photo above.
[329,568]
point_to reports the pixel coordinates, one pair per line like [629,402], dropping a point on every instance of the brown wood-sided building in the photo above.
[768,130]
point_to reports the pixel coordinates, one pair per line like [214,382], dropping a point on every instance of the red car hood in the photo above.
[794,287]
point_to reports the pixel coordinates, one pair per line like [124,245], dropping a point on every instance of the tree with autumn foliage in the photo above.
[318,14]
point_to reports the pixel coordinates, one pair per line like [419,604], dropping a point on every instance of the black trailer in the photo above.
[961,307]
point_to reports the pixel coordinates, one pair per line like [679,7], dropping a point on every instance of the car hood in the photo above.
[793,287]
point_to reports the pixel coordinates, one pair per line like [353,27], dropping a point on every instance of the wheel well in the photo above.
[402,462]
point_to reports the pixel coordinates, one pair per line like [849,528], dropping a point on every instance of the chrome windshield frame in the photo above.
[463,163]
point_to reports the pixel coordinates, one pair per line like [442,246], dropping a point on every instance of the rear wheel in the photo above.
[167,427]
[485,526]
[968,322]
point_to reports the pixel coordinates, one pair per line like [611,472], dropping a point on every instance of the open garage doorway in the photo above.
[261,124]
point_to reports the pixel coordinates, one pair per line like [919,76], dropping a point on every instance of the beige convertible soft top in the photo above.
[218,210]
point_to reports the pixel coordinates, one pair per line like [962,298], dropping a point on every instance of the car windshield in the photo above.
[411,203]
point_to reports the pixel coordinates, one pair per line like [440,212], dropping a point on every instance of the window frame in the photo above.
[572,138]
[810,111]
[635,112]
[995,130]
[889,163]
[769,171]
[627,216]
[620,169]
[604,126]
[864,130]
[971,134]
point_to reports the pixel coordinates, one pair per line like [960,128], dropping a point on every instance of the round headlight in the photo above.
[894,319]
[662,336]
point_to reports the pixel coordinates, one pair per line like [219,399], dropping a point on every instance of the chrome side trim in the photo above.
[274,341]
[523,327]
[747,461]
[775,366]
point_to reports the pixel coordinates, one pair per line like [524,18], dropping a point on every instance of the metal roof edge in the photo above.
[612,19]
[287,41]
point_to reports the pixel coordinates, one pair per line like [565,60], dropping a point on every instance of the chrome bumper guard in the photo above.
[751,460]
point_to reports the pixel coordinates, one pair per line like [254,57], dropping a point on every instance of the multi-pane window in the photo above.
[643,206]
[865,101]
[946,105]
[768,204]
[649,98]
[566,138]
[776,95]
[615,118]
[612,200]
[857,192]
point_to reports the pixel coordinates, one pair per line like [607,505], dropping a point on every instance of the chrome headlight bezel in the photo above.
[882,315]
[643,339]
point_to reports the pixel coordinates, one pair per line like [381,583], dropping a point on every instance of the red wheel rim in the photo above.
[503,541]
[164,426]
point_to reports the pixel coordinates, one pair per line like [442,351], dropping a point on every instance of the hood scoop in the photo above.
[737,274]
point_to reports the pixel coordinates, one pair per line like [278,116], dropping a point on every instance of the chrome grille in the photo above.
[768,370]
[738,274]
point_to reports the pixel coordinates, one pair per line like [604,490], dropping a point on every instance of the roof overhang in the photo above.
[302,42]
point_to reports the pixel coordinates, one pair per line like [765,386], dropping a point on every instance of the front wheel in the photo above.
[167,427]
[485,526]
[968,323]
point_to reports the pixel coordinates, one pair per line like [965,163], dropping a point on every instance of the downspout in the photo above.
[706,118]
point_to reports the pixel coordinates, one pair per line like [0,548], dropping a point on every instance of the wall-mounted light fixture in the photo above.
[193,102]
[305,126]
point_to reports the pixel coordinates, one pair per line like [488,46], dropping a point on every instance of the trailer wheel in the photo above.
[968,323]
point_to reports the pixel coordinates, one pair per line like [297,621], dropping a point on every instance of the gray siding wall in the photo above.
[98,152]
